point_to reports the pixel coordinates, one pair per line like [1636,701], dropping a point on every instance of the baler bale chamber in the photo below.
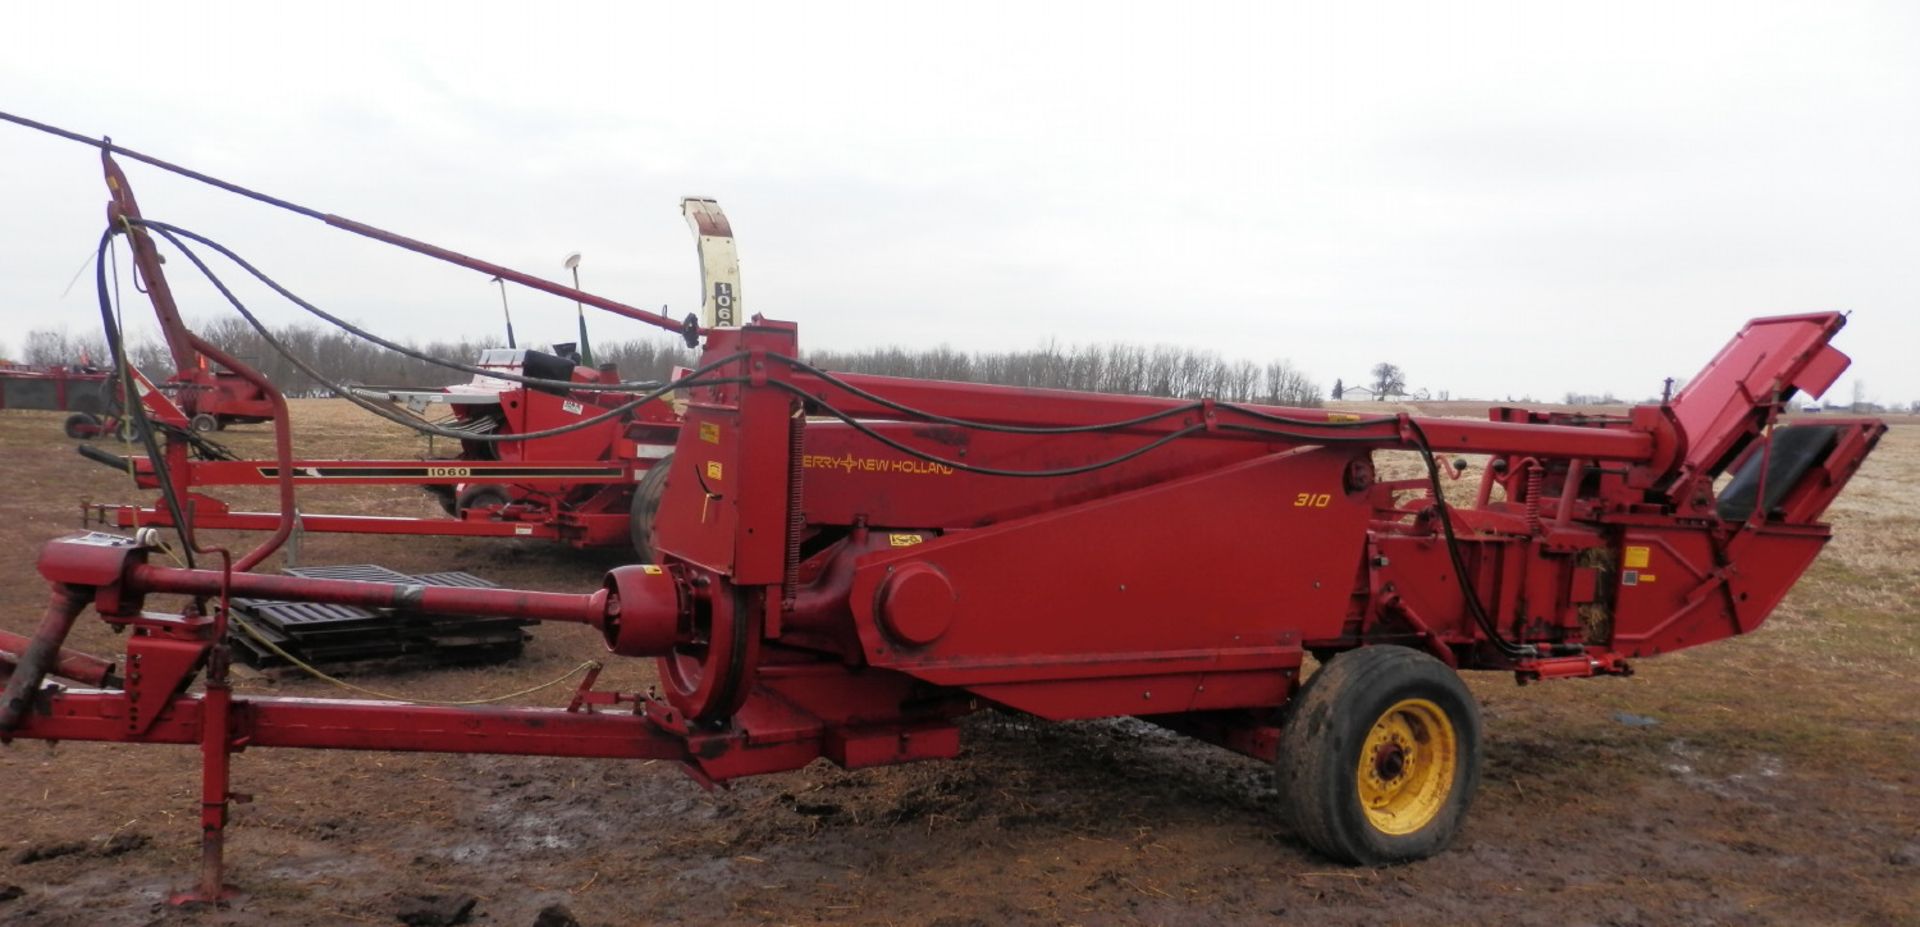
[848,565]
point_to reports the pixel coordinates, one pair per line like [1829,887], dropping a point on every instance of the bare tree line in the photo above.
[1592,399]
[335,354]
[1156,370]
[49,346]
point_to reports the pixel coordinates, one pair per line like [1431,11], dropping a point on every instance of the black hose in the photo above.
[1445,514]
[1183,408]
[939,419]
[112,461]
[1299,435]
[136,409]
[698,376]
[1441,510]
[169,230]
[911,451]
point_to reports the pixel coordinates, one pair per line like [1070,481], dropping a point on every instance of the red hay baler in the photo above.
[847,565]
[850,564]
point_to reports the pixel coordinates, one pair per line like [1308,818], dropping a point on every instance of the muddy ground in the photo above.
[1776,784]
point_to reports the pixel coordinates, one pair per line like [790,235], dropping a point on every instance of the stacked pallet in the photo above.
[346,637]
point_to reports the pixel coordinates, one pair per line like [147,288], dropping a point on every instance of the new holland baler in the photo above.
[848,565]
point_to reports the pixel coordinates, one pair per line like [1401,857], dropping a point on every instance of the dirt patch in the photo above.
[1779,785]
[112,845]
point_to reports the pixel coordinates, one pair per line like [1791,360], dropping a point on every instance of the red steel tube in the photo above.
[1447,435]
[67,664]
[282,449]
[188,350]
[216,761]
[576,608]
[353,724]
[1014,405]
[505,273]
[107,149]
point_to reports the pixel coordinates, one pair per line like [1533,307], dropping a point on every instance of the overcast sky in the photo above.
[1504,199]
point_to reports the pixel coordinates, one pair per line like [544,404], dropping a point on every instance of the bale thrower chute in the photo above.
[847,565]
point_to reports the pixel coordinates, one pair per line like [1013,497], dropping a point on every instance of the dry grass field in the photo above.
[1780,784]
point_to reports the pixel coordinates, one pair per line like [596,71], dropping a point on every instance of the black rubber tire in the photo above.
[1324,729]
[130,430]
[474,497]
[82,425]
[205,423]
[646,504]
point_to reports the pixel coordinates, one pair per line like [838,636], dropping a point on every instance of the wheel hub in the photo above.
[1406,767]
[1389,762]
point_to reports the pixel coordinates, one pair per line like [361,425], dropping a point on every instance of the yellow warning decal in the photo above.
[651,570]
[1637,557]
[1647,577]
[713,469]
[1342,417]
[904,540]
[710,432]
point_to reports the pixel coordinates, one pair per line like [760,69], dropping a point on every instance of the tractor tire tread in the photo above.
[645,506]
[82,425]
[1338,706]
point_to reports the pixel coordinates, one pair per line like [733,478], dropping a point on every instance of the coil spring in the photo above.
[1535,475]
[796,518]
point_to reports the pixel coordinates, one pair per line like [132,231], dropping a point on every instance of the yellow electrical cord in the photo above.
[317,674]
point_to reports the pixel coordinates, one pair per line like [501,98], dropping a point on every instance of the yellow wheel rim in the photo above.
[1407,766]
